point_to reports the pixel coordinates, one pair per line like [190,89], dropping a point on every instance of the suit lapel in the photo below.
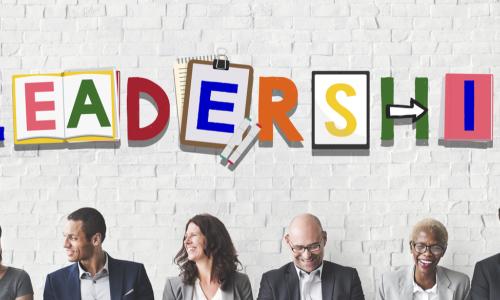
[327,280]
[406,284]
[115,279]
[74,282]
[292,281]
[443,284]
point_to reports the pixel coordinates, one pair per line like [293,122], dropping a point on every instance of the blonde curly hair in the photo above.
[433,226]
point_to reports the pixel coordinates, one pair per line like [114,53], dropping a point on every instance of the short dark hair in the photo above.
[219,246]
[92,219]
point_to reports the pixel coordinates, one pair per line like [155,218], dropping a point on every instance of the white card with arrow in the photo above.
[415,111]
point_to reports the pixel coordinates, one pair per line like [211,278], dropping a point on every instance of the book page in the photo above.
[117,103]
[38,109]
[91,109]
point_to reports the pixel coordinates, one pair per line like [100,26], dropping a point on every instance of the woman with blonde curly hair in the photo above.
[425,279]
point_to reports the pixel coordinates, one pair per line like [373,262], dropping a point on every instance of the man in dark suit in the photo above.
[309,277]
[94,274]
[485,281]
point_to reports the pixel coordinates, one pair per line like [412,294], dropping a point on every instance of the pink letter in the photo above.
[32,106]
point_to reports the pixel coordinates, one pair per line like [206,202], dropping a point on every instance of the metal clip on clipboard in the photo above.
[221,62]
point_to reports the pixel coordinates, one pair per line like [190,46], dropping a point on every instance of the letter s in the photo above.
[331,99]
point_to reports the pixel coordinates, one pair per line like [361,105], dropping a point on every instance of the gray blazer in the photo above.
[398,285]
[237,289]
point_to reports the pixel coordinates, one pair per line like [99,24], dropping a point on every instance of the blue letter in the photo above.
[469,105]
[206,105]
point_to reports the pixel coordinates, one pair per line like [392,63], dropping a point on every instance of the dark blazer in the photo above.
[485,281]
[127,281]
[337,283]
[236,288]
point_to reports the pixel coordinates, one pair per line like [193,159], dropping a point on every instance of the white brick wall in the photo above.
[367,203]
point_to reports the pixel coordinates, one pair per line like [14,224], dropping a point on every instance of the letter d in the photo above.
[135,86]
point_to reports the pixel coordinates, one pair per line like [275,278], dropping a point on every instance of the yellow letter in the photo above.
[331,99]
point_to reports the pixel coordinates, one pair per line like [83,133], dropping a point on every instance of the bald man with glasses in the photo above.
[309,277]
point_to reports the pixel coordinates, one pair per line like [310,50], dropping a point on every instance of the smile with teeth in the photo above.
[425,263]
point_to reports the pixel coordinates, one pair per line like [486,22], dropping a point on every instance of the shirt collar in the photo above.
[315,272]
[417,288]
[105,269]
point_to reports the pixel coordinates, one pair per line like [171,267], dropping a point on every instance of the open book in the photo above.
[73,106]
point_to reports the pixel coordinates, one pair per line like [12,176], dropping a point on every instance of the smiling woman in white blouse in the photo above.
[208,263]
[425,279]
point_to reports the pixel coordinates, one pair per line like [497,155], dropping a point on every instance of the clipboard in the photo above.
[201,74]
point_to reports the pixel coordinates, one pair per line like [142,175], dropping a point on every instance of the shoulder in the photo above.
[455,276]
[240,282]
[395,276]
[240,277]
[174,282]
[489,262]
[18,274]
[124,264]
[278,273]
[62,273]
[337,269]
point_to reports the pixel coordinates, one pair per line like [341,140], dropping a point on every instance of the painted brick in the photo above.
[367,203]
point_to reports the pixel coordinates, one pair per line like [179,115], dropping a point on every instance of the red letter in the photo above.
[32,106]
[277,111]
[135,86]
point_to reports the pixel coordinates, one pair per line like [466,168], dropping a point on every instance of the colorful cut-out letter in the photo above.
[207,105]
[135,86]
[468,107]
[33,106]
[270,112]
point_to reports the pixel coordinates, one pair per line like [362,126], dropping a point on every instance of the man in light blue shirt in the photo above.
[95,286]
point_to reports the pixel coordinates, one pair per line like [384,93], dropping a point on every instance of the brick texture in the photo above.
[367,203]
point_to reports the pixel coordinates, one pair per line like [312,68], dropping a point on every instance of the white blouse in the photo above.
[199,295]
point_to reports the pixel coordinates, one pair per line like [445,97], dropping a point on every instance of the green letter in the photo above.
[387,87]
[87,88]
[421,95]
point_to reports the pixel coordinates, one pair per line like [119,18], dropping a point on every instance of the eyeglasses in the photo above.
[312,248]
[422,248]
